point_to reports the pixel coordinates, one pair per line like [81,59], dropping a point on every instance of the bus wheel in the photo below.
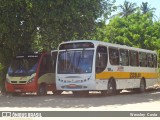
[42,89]
[57,92]
[142,85]
[111,87]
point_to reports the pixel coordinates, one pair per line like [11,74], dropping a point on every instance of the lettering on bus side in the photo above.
[135,75]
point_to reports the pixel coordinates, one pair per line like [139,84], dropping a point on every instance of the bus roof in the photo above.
[96,43]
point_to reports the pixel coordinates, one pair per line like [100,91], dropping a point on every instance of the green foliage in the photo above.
[127,8]
[145,8]
[35,25]
[136,30]
[68,20]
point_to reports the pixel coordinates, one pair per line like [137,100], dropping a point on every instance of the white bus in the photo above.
[88,65]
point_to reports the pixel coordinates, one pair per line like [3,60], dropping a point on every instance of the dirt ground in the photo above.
[125,101]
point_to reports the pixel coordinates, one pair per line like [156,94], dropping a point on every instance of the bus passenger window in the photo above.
[124,59]
[155,60]
[142,59]
[150,60]
[134,58]
[54,59]
[101,59]
[114,56]
[46,65]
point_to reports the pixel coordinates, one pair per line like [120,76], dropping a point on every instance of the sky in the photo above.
[151,3]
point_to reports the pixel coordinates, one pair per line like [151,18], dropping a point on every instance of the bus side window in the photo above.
[150,60]
[134,58]
[101,59]
[54,59]
[142,59]
[123,58]
[45,65]
[155,60]
[114,56]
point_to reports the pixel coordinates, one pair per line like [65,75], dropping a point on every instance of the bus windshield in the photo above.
[75,62]
[23,67]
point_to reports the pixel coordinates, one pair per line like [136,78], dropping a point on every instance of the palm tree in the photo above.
[145,8]
[127,8]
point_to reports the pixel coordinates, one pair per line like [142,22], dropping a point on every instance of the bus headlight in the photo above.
[31,80]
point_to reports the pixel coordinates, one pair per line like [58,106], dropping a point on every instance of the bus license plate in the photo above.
[17,90]
[72,86]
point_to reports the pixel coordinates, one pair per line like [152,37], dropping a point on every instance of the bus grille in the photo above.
[14,82]
[18,82]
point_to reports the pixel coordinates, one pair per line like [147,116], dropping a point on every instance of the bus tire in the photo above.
[111,89]
[42,90]
[142,87]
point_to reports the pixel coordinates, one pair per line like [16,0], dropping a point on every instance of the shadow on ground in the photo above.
[67,100]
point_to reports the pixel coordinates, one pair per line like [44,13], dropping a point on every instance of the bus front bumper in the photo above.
[21,88]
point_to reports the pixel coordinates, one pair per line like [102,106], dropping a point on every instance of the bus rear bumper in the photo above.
[20,88]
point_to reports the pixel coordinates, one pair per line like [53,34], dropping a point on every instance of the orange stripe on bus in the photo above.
[126,75]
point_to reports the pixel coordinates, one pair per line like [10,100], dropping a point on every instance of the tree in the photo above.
[127,8]
[72,20]
[145,8]
[137,30]
[27,25]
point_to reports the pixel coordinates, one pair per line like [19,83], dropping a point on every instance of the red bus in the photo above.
[32,73]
